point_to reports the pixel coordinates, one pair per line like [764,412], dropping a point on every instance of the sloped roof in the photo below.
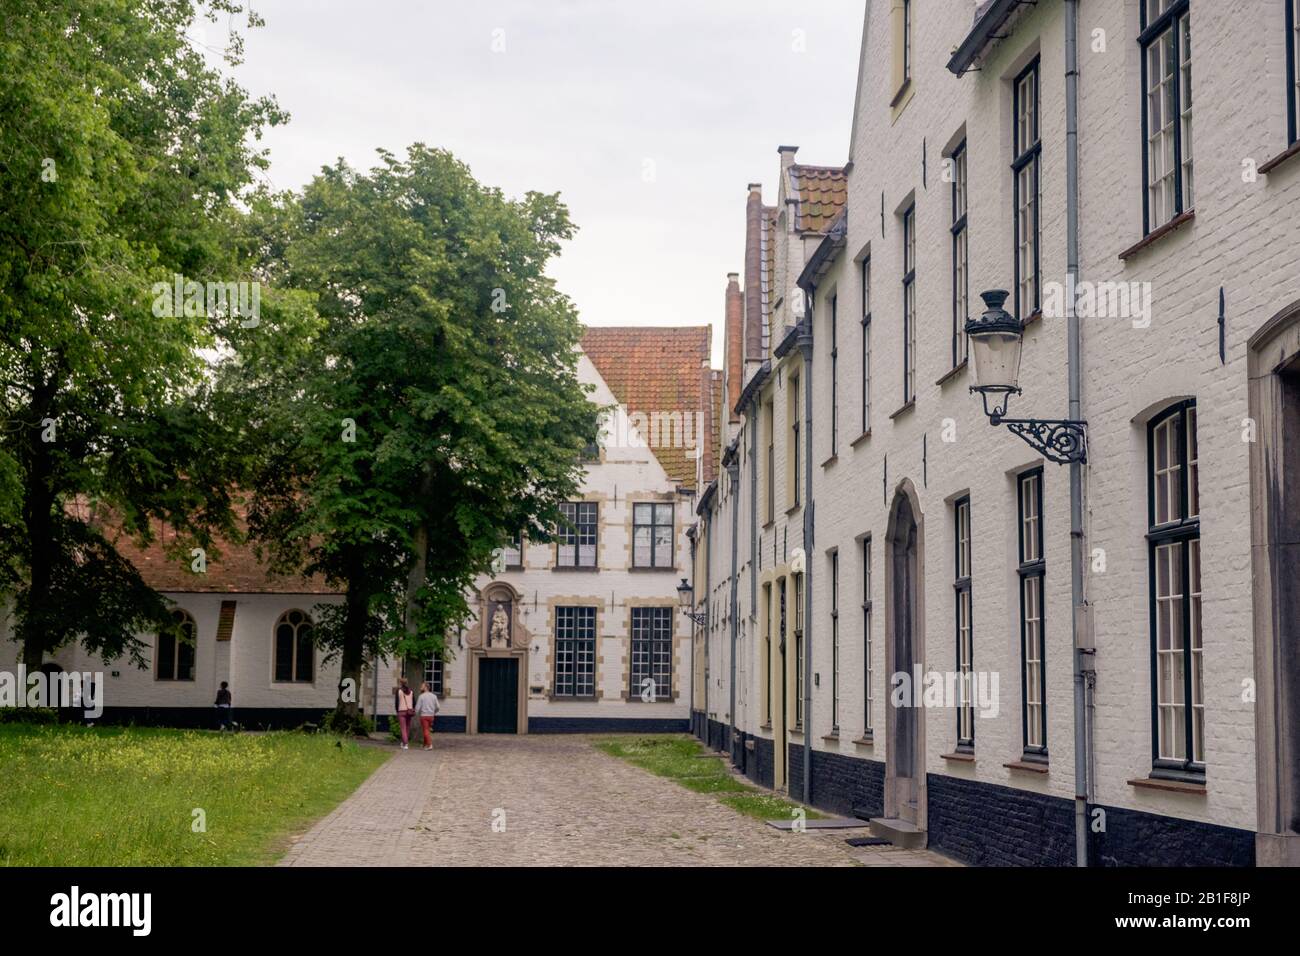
[820,192]
[235,570]
[663,370]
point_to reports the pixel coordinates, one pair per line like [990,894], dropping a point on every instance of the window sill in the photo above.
[959,757]
[580,569]
[866,740]
[1173,786]
[906,407]
[796,735]
[792,509]
[1035,316]
[1157,234]
[642,569]
[769,524]
[902,92]
[1280,158]
[951,374]
[832,737]
[1026,767]
[767,727]
[830,461]
[860,439]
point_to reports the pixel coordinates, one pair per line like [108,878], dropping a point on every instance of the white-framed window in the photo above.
[1032,570]
[960,256]
[909,304]
[835,376]
[433,673]
[175,648]
[1027,150]
[652,535]
[866,345]
[512,555]
[652,654]
[1166,42]
[962,594]
[576,536]
[835,641]
[867,673]
[575,652]
[1174,541]
[295,657]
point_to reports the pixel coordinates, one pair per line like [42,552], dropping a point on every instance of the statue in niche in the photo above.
[499,630]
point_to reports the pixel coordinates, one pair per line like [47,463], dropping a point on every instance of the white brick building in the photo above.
[946,539]
[590,618]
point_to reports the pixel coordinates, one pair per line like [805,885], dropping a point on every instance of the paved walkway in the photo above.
[541,800]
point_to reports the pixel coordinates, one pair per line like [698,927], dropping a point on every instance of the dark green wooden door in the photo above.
[498,689]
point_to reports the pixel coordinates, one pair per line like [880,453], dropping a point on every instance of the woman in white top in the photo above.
[426,708]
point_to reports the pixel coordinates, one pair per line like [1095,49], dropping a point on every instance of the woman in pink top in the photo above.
[404,704]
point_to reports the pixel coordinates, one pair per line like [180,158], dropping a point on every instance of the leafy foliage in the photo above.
[123,157]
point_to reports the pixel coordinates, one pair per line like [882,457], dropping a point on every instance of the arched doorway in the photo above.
[1273,367]
[497,673]
[904,649]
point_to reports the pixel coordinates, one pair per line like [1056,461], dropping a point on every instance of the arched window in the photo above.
[294,657]
[174,651]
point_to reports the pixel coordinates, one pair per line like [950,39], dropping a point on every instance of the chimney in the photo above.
[787,156]
[735,357]
[753,318]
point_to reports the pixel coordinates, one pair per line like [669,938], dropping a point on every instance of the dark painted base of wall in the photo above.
[608,725]
[442,725]
[988,825]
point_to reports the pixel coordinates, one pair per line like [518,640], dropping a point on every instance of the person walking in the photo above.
[404,704]
[426,708]
[222,704]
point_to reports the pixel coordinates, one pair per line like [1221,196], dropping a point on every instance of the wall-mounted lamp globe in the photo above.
[686,601]
[996,341]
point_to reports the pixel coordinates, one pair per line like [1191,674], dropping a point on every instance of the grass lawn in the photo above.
[119,796]
[678,758]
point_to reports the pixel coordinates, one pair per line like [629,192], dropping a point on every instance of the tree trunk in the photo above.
[354,638]
[34,630]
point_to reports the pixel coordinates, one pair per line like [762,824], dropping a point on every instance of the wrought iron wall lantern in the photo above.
[686,601]
[996,339]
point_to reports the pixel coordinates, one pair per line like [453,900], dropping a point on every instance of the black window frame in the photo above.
[655,523]
[867,699]
[796,447]
[572,623]
[1184,530]
[907,42]
[1151,33]
[1025,155]
[909,303]
[1292,72]
[570,530]
[298,639]
[960,251]
[1026,569]
[171,649]
[797,585]
[962,586]
[650,651]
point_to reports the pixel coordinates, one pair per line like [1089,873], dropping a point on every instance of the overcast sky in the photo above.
[649,118]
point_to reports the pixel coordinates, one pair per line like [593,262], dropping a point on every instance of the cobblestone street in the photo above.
[540,800]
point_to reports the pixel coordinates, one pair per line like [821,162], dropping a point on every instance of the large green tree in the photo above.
[123,158]
[438,409]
